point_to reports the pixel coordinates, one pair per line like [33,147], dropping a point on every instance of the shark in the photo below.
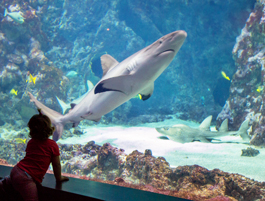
[120,82]
[66,106]
[184,134]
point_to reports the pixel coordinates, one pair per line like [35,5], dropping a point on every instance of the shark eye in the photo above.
[160,41]
[166,128]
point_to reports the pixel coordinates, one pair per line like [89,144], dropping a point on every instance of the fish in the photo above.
[13,91]
[20,140]
[66,106]
[31,79]
[120,82]
[139,96]
[16,16]
[71,74]
[225,76]
[260,89]
[184,134]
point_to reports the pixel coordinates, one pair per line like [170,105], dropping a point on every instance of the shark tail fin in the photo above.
[57,134]
[6,12]
[205,125]
[242,131]
[63,105]
[54,116]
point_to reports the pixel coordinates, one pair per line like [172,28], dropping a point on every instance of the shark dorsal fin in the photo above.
[224,126]
[205,125]
[107,62]
[243,130]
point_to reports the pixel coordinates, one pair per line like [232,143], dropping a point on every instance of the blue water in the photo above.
[60,44]
[72,37]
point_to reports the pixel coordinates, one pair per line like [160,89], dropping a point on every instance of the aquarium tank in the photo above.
[163,96]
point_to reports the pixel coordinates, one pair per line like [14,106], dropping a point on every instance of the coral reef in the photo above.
[22,56]
[247,86]
[143,171]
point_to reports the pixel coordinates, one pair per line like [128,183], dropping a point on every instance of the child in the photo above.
[40,152]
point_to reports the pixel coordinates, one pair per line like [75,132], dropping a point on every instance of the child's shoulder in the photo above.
[51,141]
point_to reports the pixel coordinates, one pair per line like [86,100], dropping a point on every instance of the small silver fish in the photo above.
[71,74]
[16,16]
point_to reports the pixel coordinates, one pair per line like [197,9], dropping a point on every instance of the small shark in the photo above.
[183,133]
[120,82]
[16,16]
[66,106]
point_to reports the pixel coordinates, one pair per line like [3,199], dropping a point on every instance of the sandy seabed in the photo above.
[224,155]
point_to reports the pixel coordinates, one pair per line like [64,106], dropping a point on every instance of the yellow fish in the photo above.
[224,75]
[13,91]
[31,79]
[138,96]
[19,140]
[260,88]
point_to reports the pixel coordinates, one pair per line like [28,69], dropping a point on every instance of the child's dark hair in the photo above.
[40,126]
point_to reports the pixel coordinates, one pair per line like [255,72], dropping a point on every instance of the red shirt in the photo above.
[38,158]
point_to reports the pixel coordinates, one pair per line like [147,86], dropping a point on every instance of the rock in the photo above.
[250,152]
[109,157]
[247,90]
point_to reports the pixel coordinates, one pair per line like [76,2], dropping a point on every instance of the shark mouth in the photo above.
[169,50]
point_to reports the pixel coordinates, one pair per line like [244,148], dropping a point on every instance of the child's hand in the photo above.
[63,178]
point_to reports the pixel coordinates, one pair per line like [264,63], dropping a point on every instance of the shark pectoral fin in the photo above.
[224,126]
[163,137]
[121,84]
[203,139]
[107,62]
[205,125]
[147,92]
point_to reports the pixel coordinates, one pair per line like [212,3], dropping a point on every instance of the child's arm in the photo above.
[56,165]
